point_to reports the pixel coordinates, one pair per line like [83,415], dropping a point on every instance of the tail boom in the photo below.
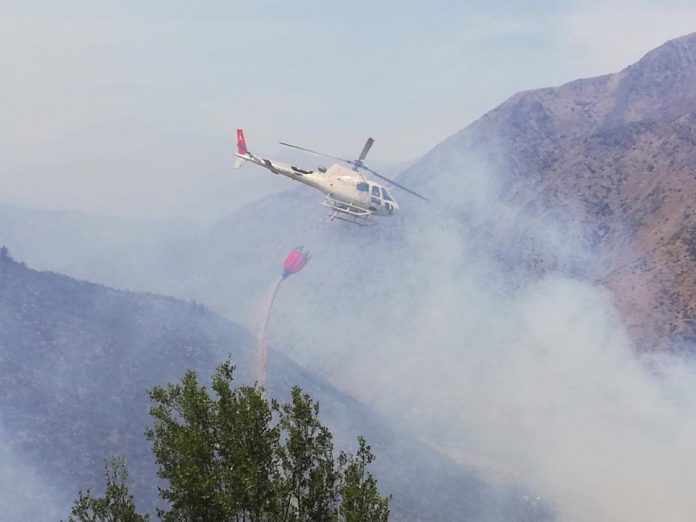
[243,155]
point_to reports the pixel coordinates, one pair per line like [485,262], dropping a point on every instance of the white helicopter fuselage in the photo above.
[346,190]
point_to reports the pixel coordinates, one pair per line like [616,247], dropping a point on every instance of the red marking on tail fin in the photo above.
[241,142]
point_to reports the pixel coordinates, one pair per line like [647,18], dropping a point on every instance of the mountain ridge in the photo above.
[613,157]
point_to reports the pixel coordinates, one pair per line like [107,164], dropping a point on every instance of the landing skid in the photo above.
[355,220]
[350,213]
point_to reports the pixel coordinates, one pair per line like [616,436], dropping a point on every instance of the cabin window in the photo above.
[375,195]
[362,186]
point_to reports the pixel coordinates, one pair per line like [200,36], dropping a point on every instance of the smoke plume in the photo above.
[530,371]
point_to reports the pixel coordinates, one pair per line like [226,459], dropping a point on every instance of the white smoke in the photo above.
[535,374]
[24,493]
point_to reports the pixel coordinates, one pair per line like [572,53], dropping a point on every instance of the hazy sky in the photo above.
[322,74]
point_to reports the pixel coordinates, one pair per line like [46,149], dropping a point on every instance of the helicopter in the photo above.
[350,196]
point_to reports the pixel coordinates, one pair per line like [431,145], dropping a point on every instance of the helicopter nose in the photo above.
[392,207]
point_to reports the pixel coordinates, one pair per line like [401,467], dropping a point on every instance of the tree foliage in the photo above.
[361,499]
[117,503]
[233,455]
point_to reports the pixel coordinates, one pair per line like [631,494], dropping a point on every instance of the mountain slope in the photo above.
[612,158]
[77,359]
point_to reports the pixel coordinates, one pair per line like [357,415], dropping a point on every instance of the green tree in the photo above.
[117,503]
[185,452]
[309,477]
[234,456]
[361,501]
[247,446]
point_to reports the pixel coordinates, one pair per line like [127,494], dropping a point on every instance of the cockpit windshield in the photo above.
[385,195]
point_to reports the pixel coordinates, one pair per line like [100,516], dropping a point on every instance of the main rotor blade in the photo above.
[396,184]
[315,152]
[366,149]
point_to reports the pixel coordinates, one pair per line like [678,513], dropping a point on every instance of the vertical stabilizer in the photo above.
[242,152]
[241,143]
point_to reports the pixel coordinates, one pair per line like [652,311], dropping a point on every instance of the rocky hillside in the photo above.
[76,361]
[611,158]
